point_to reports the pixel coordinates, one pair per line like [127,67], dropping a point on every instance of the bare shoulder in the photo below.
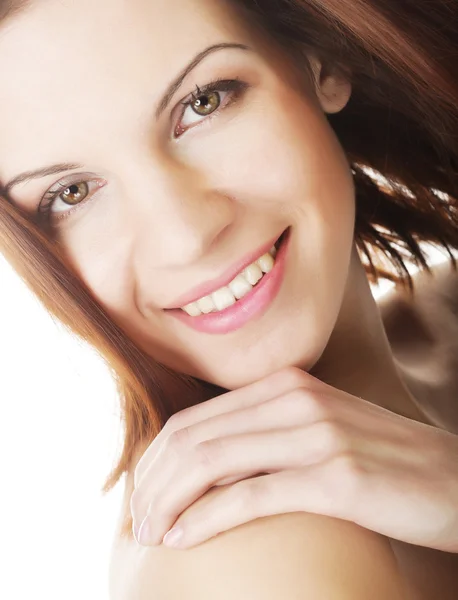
[294,555]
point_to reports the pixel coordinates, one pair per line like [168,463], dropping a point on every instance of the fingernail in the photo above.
[143,532]
[172,537]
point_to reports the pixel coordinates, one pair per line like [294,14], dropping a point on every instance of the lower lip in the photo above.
[254,304]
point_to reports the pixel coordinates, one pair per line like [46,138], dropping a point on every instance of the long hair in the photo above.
[401,123]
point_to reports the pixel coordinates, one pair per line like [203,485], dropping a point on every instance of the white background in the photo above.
[59,437]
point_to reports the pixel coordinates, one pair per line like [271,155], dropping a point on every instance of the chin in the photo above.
[242,372]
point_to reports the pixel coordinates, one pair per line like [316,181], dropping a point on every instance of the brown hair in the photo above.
[401,122]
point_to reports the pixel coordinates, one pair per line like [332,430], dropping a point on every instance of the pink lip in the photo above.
[208,287]
[254,304]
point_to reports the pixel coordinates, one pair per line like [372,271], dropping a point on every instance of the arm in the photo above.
[294,556]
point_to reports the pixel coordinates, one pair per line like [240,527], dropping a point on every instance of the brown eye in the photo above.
[60,203]
[74,193]
[205,104]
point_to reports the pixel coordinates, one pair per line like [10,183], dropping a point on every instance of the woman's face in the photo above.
[155,203]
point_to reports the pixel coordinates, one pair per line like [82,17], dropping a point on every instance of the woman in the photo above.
[185,185]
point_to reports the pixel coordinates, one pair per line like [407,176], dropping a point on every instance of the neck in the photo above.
[358,358]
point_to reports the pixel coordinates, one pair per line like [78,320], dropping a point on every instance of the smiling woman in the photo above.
[189,186]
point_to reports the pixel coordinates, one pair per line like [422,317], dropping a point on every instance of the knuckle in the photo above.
[305,404]
[179,440]
[349,475]
[174,422]
[294,375]
[246,497]
[207,453]
[333,438]
[181,418]
[341,485]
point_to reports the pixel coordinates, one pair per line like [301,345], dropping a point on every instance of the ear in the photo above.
[333,89]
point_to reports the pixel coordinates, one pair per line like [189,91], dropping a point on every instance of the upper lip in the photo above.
[208,287]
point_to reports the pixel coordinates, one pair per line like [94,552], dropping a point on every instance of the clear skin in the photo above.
[175,212]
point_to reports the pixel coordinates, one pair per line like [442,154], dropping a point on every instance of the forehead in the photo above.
[55,41]
[79,64]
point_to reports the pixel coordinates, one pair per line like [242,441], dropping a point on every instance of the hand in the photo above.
[312,448]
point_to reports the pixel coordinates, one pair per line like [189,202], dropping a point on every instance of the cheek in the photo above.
[288,162]
[292,165]
[105,267]
[277,155]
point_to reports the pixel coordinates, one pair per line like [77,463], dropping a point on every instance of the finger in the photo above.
[282,412]
[375,496]
[311,490]
[299,406]
[215,460]
[225,508]
[174,474]
[259,391]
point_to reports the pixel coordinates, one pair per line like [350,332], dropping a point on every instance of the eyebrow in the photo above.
[164,102]
[176,83]
[43,172]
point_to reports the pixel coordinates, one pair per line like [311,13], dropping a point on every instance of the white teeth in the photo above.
[266,263]
[206,304]
[223,298]
[192,309]
[240,286]
[237,288]
[252,273]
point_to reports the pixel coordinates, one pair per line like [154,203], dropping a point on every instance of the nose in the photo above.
[180,220]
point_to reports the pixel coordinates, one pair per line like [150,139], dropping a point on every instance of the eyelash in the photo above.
[236,86]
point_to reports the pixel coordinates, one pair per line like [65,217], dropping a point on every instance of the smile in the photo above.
[247,296]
